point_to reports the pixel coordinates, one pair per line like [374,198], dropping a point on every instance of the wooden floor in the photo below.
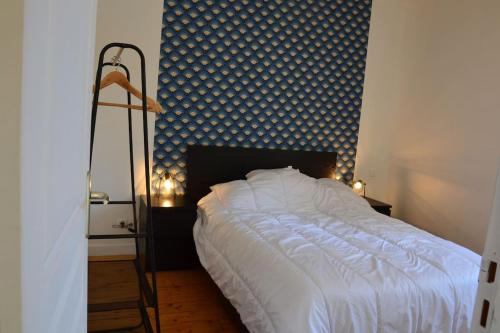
[188,300]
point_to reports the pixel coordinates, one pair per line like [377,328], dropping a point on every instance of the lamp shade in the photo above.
[359,186]
[165,184]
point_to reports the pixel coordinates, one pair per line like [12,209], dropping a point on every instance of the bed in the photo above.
[296,251]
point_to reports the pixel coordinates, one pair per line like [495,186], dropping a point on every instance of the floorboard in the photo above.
[189,302]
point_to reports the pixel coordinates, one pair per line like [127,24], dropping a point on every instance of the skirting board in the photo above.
[111,248]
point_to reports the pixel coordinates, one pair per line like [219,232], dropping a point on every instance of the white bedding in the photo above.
[295,254]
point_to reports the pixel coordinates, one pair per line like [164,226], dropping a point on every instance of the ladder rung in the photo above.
[113,306]
[114,202]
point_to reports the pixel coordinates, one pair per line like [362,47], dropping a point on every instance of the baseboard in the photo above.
[101,248]
[111,258]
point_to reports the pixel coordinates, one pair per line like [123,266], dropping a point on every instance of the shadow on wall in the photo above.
[429,201]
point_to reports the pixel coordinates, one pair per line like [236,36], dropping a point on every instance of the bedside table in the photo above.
[173,221]
[379,206]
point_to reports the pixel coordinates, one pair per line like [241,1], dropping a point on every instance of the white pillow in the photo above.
[268,188]
[236,195]
[299,190]
[282,189]
[269,172]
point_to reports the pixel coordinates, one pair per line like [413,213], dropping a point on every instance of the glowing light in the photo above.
[358,185]
[165,185]
[168,184]
[166,202]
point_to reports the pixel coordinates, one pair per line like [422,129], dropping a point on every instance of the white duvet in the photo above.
[296,254]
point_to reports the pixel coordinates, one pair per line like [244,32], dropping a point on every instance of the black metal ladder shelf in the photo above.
[132,290]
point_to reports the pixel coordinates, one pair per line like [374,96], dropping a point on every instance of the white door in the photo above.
[58,57]
[486,319]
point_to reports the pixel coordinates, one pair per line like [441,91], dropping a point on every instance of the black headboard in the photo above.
[210,165]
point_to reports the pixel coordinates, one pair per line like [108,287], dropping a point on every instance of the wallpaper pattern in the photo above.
[255,73]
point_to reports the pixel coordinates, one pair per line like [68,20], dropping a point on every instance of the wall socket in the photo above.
[122,223]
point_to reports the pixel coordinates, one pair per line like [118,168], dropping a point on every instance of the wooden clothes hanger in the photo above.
[116,77]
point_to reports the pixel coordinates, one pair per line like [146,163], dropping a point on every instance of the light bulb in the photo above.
[168,184]
[358,185]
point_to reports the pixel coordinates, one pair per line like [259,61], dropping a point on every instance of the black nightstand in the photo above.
[173,221]
[380,206]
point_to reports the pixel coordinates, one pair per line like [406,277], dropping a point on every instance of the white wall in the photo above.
[11,35]
[139,23]
[429,138]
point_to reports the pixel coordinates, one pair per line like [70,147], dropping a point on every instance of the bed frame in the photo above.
[210,165]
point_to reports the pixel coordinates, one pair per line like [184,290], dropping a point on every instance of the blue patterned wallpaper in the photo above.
[261,73]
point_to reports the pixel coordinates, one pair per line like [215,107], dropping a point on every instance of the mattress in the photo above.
[296,254]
